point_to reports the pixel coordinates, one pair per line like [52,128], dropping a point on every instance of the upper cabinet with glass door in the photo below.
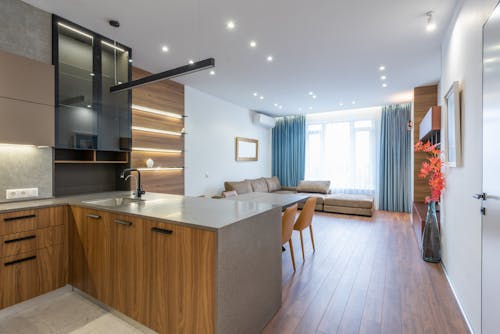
[87,64]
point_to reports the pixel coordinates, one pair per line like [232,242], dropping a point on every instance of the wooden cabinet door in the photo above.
[128,274]
[19,278]
[78,269]
[181,263]
[52,268]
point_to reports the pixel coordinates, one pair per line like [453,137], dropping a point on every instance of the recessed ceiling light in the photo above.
[212,72]
[381,68]
[261,97]
[253,44]
[280,107]
[164,48]
[255,94]
[353,102]
[191,62]
[276,105]
[383,77]
[270,58]
[230,25]
[311,93]
[314,96]
[384,85]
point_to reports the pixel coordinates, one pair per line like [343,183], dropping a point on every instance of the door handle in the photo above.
[91,215]
[481,196]
[123,222]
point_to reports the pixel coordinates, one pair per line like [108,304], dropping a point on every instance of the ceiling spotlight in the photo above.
[383,77]
[384,85]
[212,72]
[381,68]
[276,105]
[164,48]
[255,94]
[311,93]
[431,25]
[280,107]
[270,58]
[230,25]
[191,62]
[261,97]
[353,102]
[253,44]
[314,96]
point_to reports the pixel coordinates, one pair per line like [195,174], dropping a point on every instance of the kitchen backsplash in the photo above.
[25,167]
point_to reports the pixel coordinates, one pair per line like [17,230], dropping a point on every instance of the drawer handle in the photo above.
[93,216]
[9,219]
[20,260]
[123,222]
[161,230]
[20,239]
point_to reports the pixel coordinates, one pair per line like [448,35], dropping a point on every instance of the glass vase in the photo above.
[431,239]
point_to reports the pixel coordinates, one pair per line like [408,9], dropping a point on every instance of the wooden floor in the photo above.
[366,276]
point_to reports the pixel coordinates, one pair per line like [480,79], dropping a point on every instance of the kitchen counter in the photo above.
[199,212]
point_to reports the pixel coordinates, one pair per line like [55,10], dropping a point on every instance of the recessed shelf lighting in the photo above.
[269,58]
[230,25]
[158,169]
[92,74]
[75,30]
[212,72]
[172,133]
[164,48]
[113,46]
[156,111]
[190,62]
[383,77]
[381,68]
[89,106]
[159,150]
[253,44]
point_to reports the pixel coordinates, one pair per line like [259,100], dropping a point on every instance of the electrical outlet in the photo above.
[21,193]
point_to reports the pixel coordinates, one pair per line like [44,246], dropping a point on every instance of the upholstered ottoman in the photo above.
[361,205]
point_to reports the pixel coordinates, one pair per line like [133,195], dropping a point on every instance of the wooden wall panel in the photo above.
[165,96]
[424,98]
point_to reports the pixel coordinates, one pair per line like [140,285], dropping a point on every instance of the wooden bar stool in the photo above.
[287,223]
[305,220]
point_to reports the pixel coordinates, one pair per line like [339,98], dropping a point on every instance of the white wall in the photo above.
[461,220]
[212,125]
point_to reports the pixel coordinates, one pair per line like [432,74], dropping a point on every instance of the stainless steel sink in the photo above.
[115,202]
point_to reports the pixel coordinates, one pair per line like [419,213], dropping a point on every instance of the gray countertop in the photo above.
[200,212]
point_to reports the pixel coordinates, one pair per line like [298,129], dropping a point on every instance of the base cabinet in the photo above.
[33,253]
[160,274]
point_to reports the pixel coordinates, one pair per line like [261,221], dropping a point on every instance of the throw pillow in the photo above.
[241,187]
[321,187]
[259,185]
[273,183]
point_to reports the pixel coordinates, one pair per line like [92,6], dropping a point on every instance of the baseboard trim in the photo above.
[450,283]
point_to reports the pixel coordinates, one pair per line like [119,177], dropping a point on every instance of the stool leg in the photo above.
[312,237]
[302,244]
[291,253]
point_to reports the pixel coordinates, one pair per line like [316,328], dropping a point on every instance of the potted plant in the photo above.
[431,170]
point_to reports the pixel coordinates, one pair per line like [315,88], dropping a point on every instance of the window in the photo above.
[342,147]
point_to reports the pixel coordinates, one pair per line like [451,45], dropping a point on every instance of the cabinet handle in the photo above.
[20,260]
[161,230]
[123,222]
[90,215]
[20,239]
[9,219]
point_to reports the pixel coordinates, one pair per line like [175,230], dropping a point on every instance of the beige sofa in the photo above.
[325,200]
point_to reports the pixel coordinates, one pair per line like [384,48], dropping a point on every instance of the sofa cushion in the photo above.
[319,197]
[322,187]
[241,187]
[348,200]
[348,210]
[284,192]
[273,183]
[259,185]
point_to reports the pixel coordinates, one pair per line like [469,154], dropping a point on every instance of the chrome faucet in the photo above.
[139,192]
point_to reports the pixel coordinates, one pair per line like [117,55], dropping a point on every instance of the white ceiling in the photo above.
[333,48]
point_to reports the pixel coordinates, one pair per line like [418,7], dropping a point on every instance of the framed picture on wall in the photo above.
[453,142]
[246,149]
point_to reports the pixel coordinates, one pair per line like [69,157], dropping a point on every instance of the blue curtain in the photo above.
[289,149]
[395,159]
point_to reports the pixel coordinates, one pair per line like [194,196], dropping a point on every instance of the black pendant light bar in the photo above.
[176,72]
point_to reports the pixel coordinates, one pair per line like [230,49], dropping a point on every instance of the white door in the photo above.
[491,176]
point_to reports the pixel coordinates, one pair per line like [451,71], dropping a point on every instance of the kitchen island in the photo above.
[175,264]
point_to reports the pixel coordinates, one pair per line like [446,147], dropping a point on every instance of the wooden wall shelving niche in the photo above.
[70,156]
[158,134]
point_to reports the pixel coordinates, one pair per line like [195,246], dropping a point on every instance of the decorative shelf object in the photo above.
[430,126]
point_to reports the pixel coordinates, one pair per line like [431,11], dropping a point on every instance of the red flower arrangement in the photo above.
[431,169]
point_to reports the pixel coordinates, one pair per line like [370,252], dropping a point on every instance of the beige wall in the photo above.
[460,217]
[26,31]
